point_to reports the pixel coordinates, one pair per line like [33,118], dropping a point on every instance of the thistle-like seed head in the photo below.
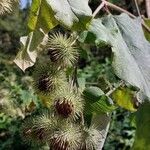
[91,138]
[61,50]
[27,132]
[64,107]
[6,6]
[48,79]
[69,104]
[67,137]
[39,128]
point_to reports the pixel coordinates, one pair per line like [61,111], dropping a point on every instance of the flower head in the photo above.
[48,79]
[69,104]
[91,138]
[61,50]
[6,6]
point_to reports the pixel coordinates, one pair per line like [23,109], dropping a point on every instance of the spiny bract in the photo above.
[91,138]
[61,50]
[69,104]
[39,128]
[48,79]
[67,137]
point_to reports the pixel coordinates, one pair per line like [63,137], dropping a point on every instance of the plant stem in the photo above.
[137,7]
[114,89]
[115,7]
[98,8]
[75,40]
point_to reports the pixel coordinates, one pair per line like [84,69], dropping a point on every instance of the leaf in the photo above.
[125,98]
[147,34]
[93,93]
[142,136]
[134,65]
[104,105]
[130,48]
[41,20]
[70,13]
[41,16]
[25,58]
[102,122]
[96,102]
[97,33]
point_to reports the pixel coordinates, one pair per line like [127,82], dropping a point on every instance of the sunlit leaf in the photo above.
[41,20]
[125,98]
[41,16]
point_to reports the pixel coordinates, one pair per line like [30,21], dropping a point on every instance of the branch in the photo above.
[125,11]
[115,7]
[115,88]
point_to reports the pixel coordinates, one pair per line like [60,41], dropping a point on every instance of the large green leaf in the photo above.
[96,102]
[142,137]
[41,20]
[93,93]
[133,65]
[73,14]
[130,48]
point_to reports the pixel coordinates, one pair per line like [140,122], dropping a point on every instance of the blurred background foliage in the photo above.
[17,98]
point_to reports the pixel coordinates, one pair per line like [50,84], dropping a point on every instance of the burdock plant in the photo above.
[62,128]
